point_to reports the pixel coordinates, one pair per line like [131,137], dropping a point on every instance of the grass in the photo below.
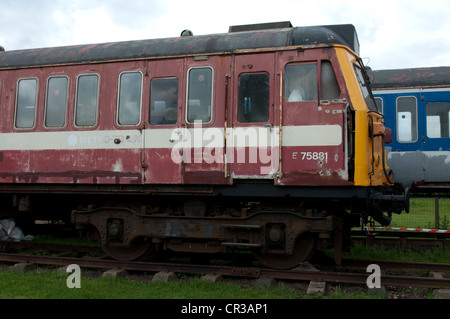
[50,284]
[422,214]
[435,255]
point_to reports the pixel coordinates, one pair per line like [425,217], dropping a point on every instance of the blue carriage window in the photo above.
[130,88]
[26,103]
[253,98]
[55,111]
[407,119]
[438,115]
[379,103]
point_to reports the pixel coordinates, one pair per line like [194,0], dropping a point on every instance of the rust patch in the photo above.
[73,176]
[204,177]
[378,129]
[319,178]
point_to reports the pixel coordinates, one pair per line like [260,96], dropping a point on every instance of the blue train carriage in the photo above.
[416,106]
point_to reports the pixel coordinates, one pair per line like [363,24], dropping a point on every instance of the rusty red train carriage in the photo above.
[264,138]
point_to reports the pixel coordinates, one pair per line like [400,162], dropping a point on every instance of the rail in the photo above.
[249,272]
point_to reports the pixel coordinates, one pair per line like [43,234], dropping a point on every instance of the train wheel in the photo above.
[137,250]
[303,250]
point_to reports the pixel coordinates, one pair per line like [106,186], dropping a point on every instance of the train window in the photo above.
[164,101]
[56,103]
[87,100]
[254,98]
[438,116]
[364,84]
[329,86]
[300,82]
[379,103]
[407,119]
[130,88]
[199,103]
[26,103]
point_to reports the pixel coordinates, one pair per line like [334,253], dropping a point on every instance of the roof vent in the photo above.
[260,26]
[186,33]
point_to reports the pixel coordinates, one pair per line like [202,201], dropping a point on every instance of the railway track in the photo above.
[404,240]
[357,275]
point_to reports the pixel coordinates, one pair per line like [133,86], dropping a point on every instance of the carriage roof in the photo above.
[410,78]
[238,38]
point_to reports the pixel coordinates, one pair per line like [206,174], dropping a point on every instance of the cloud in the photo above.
[392,34]
[31,24]
[405,34]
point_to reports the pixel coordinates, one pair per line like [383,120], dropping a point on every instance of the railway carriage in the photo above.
[265,138]
[416,106]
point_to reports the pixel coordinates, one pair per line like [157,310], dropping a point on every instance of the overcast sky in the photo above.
[392,33]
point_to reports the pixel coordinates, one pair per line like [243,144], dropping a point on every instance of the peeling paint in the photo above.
[118,166]
[415,168]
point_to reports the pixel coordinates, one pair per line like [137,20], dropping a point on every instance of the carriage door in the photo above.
[252,142]
[203,139]
[163,134]
[313,122]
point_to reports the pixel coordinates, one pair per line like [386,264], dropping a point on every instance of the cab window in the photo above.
[329,86]
[300,82]
[364,85]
